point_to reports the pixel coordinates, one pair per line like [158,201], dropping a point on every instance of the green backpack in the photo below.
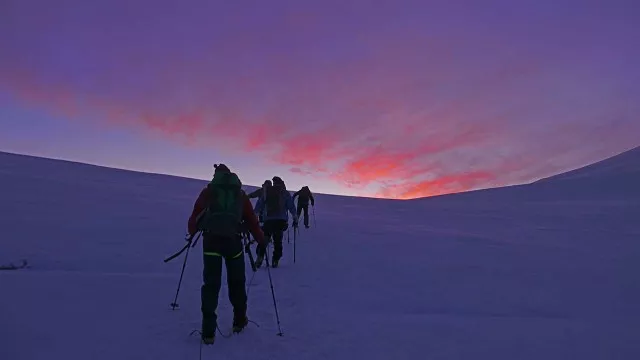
[223,215]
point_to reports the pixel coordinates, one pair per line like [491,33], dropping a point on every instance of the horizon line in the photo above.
[68,160]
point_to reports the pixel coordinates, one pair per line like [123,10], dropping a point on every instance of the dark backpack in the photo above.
[274,200]
[223,214]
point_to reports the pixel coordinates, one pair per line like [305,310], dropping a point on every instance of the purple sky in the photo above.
[376,98]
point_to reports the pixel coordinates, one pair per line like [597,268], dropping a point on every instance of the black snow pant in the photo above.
[215,249]
[304,207]
[273,231]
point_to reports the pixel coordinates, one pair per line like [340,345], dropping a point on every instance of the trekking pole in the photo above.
[273,294]
[174,304]
[247,249]
[295,231]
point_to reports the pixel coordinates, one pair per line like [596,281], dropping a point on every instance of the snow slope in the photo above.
[526,272]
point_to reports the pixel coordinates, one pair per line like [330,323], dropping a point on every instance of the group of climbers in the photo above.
[222,212]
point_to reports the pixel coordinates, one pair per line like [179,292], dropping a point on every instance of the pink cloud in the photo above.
[414,107]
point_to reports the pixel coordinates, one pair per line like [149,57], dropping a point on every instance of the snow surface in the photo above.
[541,271]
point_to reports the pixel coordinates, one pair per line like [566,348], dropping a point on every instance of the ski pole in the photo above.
[174,304]
[247,249]
[295,231]
[273,294]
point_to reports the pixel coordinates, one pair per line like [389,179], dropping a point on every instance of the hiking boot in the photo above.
[208,340]
[239,323]
[208,332]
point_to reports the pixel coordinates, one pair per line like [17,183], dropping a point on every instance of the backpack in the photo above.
[274,200]
[223,214]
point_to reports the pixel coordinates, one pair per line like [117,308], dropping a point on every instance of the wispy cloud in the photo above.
[414,99]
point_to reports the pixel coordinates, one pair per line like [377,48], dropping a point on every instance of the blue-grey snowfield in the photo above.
[543,271]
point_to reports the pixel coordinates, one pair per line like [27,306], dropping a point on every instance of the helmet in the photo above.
[220,168]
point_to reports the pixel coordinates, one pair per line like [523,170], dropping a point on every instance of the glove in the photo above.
[188,237]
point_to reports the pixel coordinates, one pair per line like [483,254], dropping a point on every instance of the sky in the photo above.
[395,99]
